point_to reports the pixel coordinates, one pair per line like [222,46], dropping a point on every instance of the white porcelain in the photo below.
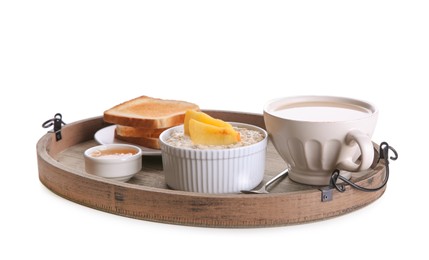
[214,171]
[106,135]
[119,168]
[314,146]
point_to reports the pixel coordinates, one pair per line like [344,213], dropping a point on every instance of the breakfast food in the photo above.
[247,137]
[208,155]
[149,112]
[114,153]
[201,131]
[113,161]
[138,131]
[206,130]
[141,120]
[204,118]
[149,142]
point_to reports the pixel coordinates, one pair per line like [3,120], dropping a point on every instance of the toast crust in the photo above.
[149,112]
[149,142]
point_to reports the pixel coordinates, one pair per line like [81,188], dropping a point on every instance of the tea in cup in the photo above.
[317,134]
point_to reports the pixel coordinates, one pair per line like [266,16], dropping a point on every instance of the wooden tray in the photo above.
[61,169]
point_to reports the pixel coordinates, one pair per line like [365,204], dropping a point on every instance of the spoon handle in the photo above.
[278,176]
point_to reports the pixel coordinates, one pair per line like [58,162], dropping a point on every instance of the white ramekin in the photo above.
[120,169]
[214,170]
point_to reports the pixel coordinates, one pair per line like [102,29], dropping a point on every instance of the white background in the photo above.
[82,57]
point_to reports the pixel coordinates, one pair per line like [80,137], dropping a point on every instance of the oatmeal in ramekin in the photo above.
[248,137]
[214,169]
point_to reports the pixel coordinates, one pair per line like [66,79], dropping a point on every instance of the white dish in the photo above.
[214,170]
[106,135]
[113,161]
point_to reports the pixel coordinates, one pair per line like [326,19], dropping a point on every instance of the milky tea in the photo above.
[322,112]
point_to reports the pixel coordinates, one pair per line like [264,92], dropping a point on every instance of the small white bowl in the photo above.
[113,161]
[214,170]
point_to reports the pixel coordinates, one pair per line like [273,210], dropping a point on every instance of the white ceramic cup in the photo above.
[317,134]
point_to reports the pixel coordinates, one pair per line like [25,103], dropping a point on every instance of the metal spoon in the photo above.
[263,189]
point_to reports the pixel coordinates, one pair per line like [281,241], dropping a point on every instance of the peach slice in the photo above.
[206,134]
[202,117]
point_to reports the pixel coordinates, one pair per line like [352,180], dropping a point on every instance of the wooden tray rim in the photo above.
[45,143]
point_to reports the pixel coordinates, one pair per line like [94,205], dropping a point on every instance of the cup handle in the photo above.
[367,152]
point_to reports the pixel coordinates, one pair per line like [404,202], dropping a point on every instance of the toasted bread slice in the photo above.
[150,142]
[129,131]
[149,112]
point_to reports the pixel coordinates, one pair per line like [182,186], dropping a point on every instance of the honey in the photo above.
[114,153]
